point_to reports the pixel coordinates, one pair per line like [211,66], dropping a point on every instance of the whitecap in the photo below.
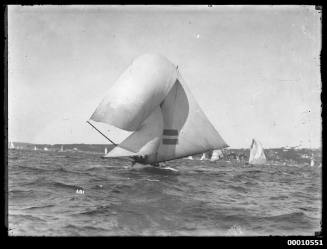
[235,230]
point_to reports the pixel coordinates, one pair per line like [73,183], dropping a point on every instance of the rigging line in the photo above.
[102,134]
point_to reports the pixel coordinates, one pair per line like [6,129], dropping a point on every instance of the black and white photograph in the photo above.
[164,120]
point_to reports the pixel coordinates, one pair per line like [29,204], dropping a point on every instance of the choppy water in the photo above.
[202,198]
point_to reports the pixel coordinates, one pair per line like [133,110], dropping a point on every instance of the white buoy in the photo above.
[79,191]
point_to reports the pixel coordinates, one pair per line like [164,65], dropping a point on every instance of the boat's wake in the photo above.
[153,169]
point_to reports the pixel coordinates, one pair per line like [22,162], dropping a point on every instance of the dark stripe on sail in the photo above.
[169,141]
[170,132]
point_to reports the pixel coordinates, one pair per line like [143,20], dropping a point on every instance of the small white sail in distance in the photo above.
[257,155]
[312,162]
[205,156]
[152,101]
[11,145]
[216,155]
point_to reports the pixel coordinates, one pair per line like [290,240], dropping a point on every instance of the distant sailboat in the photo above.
[105,151]
[312,162]
[205,156]
[190,157]
[216,155]
[45,148]
[11,145]
[35,148]
[61,149]
[166,121]
[257,155]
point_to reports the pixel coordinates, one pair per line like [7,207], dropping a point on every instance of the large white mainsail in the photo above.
[257,155]
[152,100]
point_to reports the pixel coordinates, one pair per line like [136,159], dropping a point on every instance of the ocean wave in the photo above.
[32,168]
[98,186]
[66,186]
[238,188]
[202,199]
[39,180]
[18,194]
[19,191]
[100,210]
[94,228]
[39,207]
[120,188]
[83,229]
[27,217]
[289,218]
[280,197]
[235,230]
[99,167]
[152,180]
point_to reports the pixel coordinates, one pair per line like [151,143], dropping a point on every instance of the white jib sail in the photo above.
[257,155]
[144,141]
[152,100]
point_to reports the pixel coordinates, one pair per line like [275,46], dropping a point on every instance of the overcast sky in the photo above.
[255,71]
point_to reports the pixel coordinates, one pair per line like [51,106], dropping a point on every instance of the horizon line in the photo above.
[230,147]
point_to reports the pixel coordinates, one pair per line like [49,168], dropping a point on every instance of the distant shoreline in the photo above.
[111,145]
